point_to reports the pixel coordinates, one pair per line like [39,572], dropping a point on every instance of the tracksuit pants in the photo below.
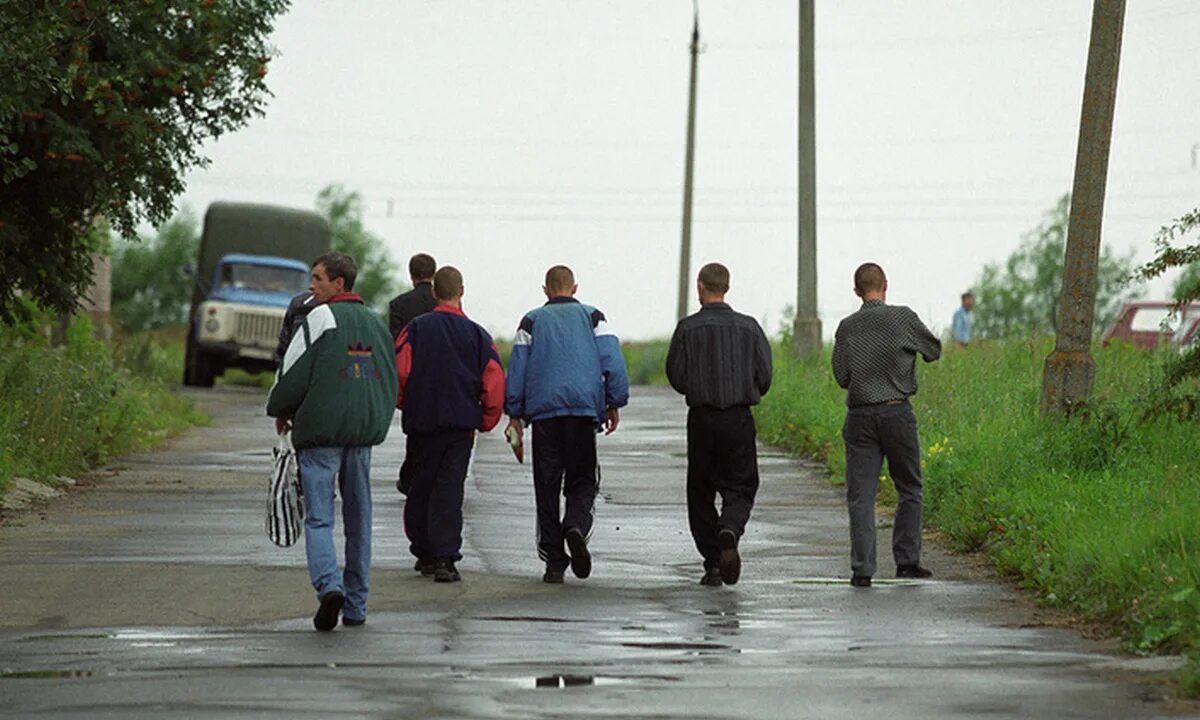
[873,433]
[564,463]
[436,468]
[722,460]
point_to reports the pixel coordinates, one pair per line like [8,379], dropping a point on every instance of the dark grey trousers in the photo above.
[874,433]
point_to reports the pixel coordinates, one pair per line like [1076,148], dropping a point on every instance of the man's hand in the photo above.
[516,424]
[283,425]
[612,418]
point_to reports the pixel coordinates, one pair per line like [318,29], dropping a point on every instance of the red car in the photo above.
[1148,323]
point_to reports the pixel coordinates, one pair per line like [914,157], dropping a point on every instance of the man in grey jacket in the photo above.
[874,357]
[721,361]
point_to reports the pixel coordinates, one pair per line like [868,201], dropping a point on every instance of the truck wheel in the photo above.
[199,371]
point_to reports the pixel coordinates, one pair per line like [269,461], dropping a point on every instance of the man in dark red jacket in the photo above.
[451,384]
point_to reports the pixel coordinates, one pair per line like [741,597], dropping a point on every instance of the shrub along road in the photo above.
[155,589]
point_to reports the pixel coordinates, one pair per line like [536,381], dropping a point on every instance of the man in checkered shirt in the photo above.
[874,358]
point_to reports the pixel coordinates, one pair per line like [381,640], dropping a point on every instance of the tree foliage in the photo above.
[376,281]
[1180,389]
[1019,298]
[103,107]
[151,286]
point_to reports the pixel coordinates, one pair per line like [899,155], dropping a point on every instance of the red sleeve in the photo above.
[493,394]
[403,365]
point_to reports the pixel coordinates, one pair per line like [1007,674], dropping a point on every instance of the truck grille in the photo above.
[257,330]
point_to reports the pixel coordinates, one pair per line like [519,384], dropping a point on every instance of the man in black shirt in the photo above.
[874,357]
[418,301]
[721,361]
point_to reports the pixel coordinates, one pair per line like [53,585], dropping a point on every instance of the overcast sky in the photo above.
[505,137]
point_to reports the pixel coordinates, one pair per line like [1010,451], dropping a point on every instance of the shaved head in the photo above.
[559,279]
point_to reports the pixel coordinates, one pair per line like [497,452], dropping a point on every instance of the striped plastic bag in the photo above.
[285,506]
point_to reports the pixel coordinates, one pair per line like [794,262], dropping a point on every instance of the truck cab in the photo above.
[253,260]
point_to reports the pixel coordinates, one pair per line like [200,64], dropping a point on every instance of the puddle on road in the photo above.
[44,674]
[530,618]
[568,680]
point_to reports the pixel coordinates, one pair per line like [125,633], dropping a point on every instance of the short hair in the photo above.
[339,265]
[421,266]
[715,278]
[968,294]
[869,277]
[560,278]
[447,283]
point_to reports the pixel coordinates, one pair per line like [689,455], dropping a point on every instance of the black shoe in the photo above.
[418,565]
[913,571]
[712,577]
[553,577]
[730,562]
[444,571]
[425,567]
[353,622]
[326,618]
[860,581]
[581,559]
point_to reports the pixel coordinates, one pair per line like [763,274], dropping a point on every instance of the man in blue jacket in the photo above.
[567,377]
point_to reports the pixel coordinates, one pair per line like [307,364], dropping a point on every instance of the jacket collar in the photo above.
[346,297]
[561,299]
[449,309]
[718,306]
[872,303]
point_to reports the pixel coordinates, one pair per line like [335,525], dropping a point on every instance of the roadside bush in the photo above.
[73,407]
[1096,512]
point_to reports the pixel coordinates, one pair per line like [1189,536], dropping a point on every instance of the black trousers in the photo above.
[722,460]
[436,467]
[564,464]
[873,433]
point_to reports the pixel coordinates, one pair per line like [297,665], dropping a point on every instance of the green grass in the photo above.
[70,408]
[1097,513]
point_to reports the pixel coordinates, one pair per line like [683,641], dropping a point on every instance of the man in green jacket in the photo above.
[336,390]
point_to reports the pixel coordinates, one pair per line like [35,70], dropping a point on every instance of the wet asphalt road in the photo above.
[156,593]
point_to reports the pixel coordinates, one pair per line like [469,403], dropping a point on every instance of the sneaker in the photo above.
[860,581]
[913,571]
[553,577]
[326,618]
[353,622]
[730,562]
[425,567]
[712,577]
[581,559]
[444,571]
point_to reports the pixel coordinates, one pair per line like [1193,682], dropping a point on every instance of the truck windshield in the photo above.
[264,278]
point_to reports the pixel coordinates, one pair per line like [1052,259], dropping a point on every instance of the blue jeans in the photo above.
[352,466]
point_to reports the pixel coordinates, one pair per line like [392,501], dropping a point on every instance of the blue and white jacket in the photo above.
[566,362]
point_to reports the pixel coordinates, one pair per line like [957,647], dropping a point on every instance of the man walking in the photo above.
[451,384]
[566,376]
[401,310]
[336,389]
[874,358]
[720,361]
[960,326]
[418,301]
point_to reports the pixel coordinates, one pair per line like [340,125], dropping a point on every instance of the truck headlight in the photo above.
[212,325]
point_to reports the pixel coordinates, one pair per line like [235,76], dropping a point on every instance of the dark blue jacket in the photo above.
[450,374]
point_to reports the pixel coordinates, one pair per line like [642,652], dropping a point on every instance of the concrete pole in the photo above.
[685,250]
[806,331]
[1070,369]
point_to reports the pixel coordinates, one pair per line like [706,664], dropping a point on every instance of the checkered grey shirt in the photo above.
[875,353]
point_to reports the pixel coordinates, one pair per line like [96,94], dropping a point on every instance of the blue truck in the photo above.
[253,259]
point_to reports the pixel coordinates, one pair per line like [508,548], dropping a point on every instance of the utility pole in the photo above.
[685,250]
[806,330]
[1070,370]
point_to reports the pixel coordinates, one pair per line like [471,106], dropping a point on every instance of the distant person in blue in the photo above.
[567,377]
[960,328]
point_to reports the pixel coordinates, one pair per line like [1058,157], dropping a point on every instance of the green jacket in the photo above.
[337,380]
